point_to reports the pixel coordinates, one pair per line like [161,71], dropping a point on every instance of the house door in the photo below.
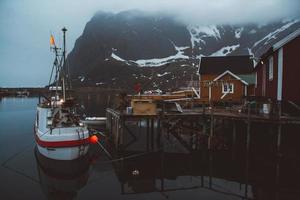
[264,81]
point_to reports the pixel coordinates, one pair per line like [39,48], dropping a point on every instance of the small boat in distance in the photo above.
[22,93]
[59,133]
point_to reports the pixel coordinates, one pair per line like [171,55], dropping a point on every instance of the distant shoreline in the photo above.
[36,91]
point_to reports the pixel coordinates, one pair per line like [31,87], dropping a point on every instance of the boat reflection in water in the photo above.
[62,179]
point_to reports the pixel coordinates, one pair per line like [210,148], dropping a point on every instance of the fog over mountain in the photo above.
[129,47]
[25,59]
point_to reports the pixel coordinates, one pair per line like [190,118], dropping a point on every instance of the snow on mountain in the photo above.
[195,38]
[161,61]
[238,32]
[201,35]
[113,55]
[225,50]
[163,74]
[126,48]
[250,52]
[156,61]
[253,31]
[199,32]
[210,31]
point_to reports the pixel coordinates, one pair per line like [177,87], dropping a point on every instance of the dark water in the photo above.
[170,174]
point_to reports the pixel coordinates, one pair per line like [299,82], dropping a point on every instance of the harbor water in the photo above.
[161,174]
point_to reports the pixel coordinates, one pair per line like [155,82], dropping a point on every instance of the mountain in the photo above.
[120,50]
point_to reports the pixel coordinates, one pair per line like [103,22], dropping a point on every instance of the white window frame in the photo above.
[271,68]
[228,88]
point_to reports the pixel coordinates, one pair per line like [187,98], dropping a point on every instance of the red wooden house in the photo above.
[278,71]
[226,78]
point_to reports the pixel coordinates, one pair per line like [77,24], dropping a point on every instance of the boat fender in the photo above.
[93,139]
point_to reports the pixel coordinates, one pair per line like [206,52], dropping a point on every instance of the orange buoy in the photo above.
[93,139]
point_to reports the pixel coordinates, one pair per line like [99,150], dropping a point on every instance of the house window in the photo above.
[227,88]
[271,68]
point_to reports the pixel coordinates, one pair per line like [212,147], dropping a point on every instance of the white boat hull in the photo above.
[64,153]
[60,143]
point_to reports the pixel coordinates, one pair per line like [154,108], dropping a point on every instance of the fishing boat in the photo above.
[59,133]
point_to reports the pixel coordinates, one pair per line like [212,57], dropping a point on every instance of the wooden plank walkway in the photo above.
[219,113]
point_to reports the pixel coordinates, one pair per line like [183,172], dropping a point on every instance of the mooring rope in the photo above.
[103,148]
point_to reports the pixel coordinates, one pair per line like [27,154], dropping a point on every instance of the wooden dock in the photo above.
[200,125]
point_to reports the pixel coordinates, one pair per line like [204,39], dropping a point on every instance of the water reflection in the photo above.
[169,172]
[163,173]
[246,177]
[62,179]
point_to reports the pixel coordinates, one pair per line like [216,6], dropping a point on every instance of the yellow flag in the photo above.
[52,42]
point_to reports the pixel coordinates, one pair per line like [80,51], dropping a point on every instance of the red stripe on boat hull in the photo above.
[60,144]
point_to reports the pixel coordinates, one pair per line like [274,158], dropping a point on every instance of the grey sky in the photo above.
[25,59]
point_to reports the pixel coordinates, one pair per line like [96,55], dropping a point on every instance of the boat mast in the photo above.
[64,30]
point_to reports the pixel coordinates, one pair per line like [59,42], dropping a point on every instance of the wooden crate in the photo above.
[143,107]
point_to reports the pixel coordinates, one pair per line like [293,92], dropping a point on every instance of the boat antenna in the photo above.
[64,30]
[64,41]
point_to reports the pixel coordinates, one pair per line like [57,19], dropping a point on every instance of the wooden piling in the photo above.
[162,183]
[210,169]
[211,133]
[147,133]
[121,131]
[233,139]
[279,129]
[117,133]
[247,150]
[152,134]
[248,128]
[279,139]
[278,152]
[158,142]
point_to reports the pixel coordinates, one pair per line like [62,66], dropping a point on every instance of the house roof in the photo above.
[249,78]
[286,39]
[278,45]
[217,65]
[232,74]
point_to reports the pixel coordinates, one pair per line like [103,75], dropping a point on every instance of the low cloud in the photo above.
[216,11]
[26,25]
[206,11]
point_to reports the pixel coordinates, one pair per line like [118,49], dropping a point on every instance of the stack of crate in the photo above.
[143,107]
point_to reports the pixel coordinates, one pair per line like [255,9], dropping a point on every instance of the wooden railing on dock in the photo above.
[198,122]
[113,125]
